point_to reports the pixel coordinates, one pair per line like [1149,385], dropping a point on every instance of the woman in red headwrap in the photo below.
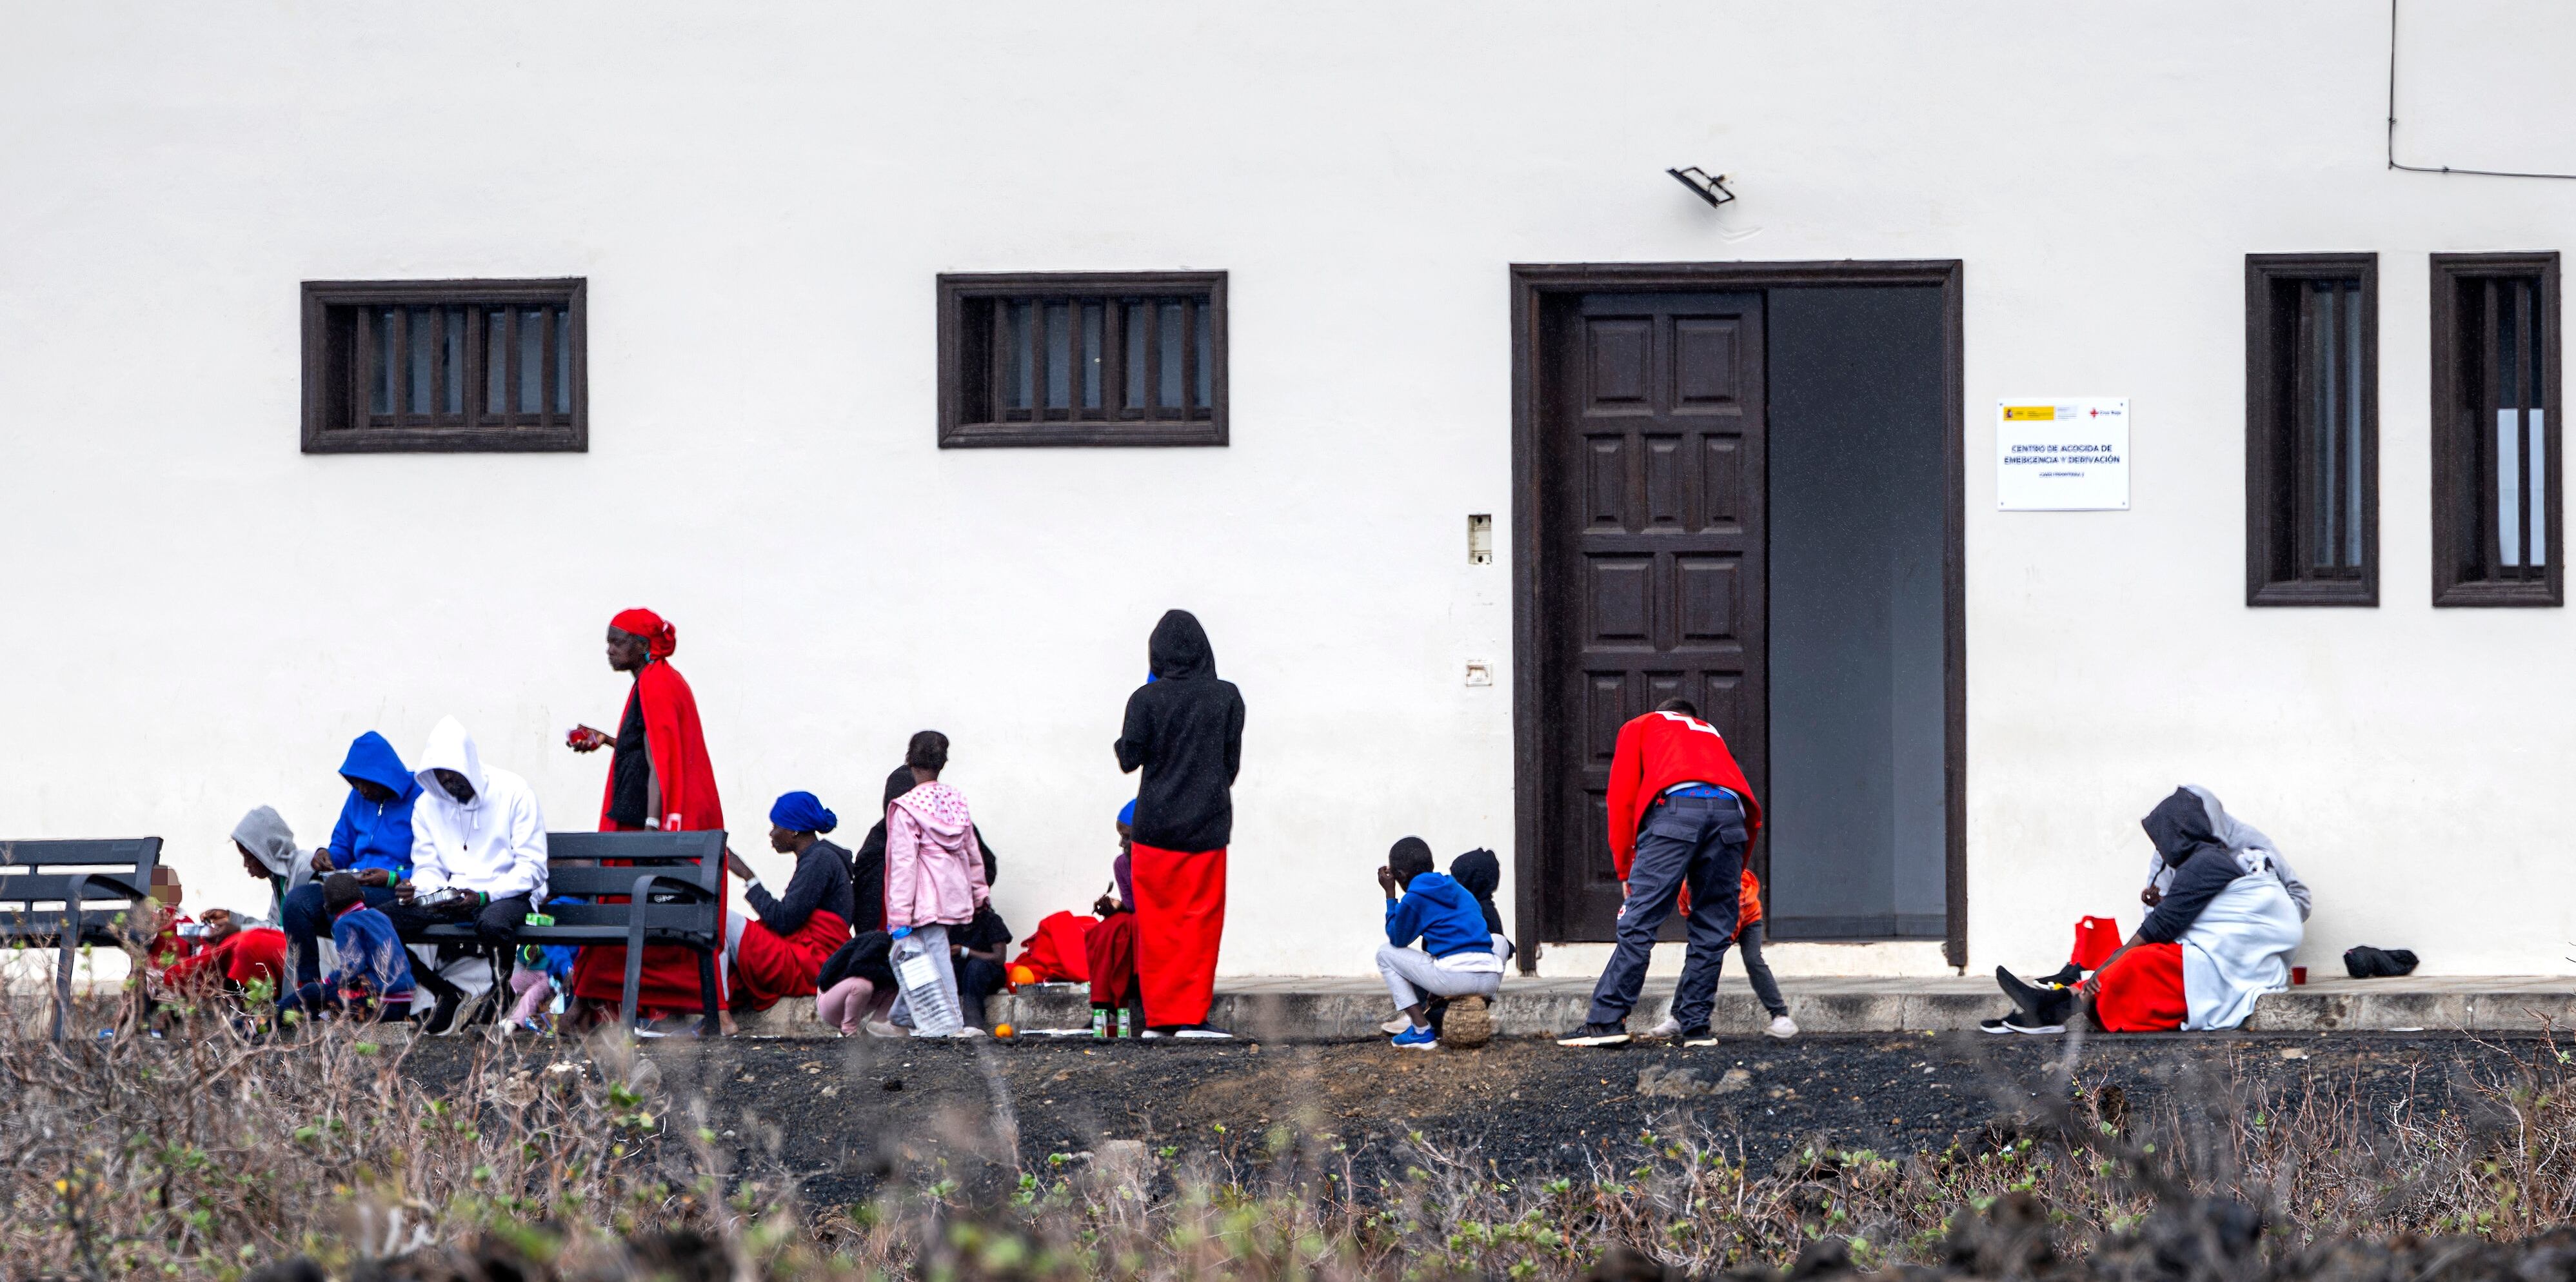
[658,778]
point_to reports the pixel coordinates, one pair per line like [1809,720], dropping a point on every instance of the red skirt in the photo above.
[1111,950]
[768,965]
[2142,991]
[1180,918]
[669,984]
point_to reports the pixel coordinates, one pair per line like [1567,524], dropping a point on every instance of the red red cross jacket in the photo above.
[1655,752]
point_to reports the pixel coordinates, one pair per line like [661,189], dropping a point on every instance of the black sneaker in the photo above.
[1699,1036]
[2066,976]
[2040,1007]
[1596,1035]
[443,1015]
[2015,1023]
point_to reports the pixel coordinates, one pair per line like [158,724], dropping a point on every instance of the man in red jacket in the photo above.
[1681,816]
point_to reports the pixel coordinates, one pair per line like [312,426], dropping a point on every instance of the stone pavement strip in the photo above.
[1287,1008]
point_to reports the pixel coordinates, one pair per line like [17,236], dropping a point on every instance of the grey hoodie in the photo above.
[263,832]
[2239,837]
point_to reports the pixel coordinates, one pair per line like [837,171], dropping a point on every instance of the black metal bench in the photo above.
[673,885]
[70,893]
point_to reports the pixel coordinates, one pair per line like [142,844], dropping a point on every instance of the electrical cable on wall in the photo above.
[2392,123]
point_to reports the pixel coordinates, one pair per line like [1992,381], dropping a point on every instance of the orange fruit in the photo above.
[1003,1030]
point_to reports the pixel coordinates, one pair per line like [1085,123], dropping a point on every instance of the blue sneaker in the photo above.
[1416,1039]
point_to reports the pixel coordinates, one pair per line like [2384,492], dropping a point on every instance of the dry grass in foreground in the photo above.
[211,1155]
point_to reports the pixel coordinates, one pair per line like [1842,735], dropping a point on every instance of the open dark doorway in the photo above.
[1742,483]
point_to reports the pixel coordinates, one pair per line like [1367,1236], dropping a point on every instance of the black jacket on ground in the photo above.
[1184,730]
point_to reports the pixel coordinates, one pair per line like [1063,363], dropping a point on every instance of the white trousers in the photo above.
[1410,973]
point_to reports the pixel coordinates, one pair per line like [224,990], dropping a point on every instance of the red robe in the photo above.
[687,780]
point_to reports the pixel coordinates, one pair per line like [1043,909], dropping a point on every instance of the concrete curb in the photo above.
[1340,1009]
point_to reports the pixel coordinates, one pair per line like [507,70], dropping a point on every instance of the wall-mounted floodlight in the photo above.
[1712,190]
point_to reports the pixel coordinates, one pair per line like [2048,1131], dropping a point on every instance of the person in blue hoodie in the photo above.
[372,842]
[1456,957]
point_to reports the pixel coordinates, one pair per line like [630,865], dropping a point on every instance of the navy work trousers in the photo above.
[1685,841]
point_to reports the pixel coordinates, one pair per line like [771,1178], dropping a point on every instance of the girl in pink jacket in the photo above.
[934,868]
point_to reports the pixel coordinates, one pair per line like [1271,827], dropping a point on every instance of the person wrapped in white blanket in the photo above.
[2224,926]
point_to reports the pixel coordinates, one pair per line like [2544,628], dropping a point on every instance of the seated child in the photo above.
[233,952]
[1110,951]
[979,948]
[1457,957]
[1480,873]
[373,979]
[543,971]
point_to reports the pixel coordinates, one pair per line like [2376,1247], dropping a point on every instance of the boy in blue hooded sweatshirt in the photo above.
[1457,957]
[373,980]
[372,841]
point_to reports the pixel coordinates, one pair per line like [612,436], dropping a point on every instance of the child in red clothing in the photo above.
[1748,938]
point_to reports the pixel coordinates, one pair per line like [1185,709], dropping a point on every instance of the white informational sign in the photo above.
[2063,454]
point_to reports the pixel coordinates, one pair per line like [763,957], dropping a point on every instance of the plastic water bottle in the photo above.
[934,1012]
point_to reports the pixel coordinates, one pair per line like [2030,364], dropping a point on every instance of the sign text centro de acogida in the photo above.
[2062,454]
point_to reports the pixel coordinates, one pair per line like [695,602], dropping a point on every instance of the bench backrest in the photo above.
[579,863]
[105,878]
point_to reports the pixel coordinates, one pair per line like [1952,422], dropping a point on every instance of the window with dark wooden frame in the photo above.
[445,365]
[1082,358]
[2495,430]
[2312,429]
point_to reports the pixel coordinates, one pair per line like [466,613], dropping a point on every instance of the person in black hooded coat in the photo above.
[1184,732]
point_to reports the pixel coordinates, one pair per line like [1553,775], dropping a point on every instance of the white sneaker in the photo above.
[1395,1025]
[1669,1029]
[968,1031]
[1781,1027]
[880,1028]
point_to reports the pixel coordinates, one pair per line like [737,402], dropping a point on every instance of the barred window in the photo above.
[1082,359]
[2312,429]
[2495,430]
[444,366]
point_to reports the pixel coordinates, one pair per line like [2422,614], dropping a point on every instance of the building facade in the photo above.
[360,363]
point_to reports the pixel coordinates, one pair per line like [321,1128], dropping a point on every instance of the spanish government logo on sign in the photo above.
[2066,454]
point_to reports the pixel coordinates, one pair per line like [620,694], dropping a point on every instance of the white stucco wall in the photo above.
[200,617]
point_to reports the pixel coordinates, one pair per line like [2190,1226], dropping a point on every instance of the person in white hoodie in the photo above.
[478,845]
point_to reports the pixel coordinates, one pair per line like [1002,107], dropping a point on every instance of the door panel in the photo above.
[1652,577]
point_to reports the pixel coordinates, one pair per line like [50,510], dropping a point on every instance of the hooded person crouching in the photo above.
[1458,956]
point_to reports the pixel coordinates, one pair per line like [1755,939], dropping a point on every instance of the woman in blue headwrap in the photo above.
[782,952]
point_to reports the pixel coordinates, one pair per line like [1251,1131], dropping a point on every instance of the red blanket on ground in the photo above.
[768,965]
[678,747]
[2142,991]
[1058,952]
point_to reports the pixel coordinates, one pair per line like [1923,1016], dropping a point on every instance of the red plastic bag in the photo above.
[2096,938]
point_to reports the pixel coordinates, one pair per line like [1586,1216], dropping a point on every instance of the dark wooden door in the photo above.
[1652,555]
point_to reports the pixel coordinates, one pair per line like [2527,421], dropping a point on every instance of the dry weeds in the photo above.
[211,1153]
